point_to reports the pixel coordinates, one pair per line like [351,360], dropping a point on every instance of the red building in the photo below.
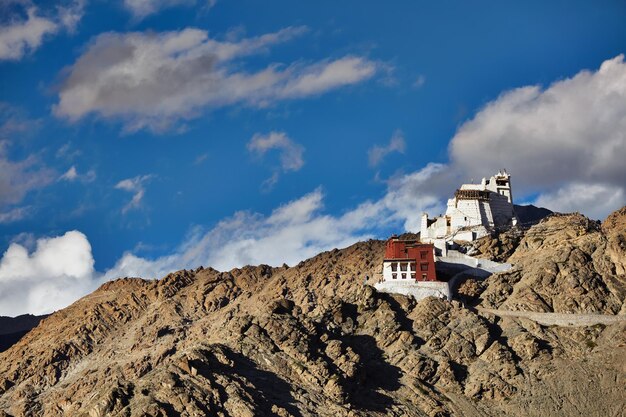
[409,260]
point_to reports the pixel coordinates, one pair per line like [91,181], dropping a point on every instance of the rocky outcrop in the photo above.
[565,264]
[497,247]
[314,339]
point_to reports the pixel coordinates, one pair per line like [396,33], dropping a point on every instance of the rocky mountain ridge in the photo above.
[313,339]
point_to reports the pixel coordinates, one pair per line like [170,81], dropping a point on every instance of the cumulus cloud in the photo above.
[538,134]
[396,144]
[595,200]
[152,80]
[569,137]
[135,185]
[19,36]
[56,273]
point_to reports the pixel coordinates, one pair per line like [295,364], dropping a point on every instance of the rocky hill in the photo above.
[313,339]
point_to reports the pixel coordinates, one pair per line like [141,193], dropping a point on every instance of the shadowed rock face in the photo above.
[314,340]
[530,215]
[13,329]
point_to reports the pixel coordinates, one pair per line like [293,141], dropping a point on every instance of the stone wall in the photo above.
[417,289]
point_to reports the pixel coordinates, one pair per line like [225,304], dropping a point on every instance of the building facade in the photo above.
[409,269]
[408,260]
[474,212]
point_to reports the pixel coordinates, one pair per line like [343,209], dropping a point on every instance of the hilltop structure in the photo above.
[409,269]
[475,211]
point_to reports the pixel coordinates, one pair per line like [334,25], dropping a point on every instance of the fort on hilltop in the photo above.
[410,266]
[473,212]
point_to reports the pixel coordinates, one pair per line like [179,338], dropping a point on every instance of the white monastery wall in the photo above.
[417,289]
[479,214]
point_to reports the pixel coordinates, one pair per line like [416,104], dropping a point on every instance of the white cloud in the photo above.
[569,136]
[268,184]
[419,81]
[377,153]
[59,271]
[20,177]
[290,152]
[565,143]
[14,120]
[14,215]
[593,200]
[66,151]
[19,37]
[72,175]
[152,80]
[136,186]
[292,232]
[70,14]
[143,8]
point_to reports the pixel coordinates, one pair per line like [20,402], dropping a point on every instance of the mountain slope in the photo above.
[314,340]
[565,264]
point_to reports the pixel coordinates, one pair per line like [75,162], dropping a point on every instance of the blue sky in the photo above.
[169,134]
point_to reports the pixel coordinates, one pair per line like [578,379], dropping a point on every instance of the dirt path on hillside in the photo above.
[558,319]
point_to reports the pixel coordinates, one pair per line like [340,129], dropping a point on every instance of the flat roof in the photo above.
[400,259]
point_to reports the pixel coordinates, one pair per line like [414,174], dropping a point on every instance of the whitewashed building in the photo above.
[474,212]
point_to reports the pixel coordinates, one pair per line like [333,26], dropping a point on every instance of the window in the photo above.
[412,266]
[403,276]
[394,276]
[423,255]
[424,277]
[403,266]
[424,267]
[394,266]
[412,275]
